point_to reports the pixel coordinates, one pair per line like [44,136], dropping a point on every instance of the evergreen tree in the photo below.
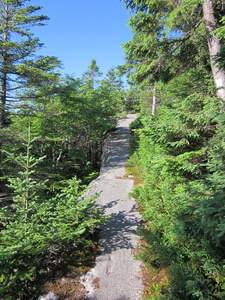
[180,150]
[36,229]
[91,75]
[114,80]
[113,92]
[169,37]
[17,44]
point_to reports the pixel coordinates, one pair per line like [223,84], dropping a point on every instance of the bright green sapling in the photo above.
[36,228]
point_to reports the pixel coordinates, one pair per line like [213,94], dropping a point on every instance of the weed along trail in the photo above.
[116,275]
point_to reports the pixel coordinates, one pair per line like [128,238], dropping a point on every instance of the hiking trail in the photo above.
[116,275]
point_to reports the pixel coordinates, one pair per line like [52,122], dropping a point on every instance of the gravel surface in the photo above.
[116,275]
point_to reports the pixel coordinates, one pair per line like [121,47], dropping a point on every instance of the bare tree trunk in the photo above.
[3,98]
[154,101]
[214,47]
[3,75]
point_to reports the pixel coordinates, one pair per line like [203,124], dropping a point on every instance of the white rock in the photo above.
[49,296]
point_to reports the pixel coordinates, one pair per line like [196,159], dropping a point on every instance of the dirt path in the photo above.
[117,275]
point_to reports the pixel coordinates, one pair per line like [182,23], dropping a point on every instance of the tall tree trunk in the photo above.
[214,47]
[3,98]
[3,77]
[154,101]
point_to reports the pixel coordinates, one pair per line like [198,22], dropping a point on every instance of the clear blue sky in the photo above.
[80,30]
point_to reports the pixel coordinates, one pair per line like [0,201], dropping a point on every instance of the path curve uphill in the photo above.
[116,275]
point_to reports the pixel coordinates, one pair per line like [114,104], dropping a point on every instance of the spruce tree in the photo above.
[17,44]
[91,74]
[169,37]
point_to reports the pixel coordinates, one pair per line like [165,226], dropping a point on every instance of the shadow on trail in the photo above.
[115,150]
[117,233]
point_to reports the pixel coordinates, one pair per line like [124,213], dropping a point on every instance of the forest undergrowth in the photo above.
[178,155]
[48,157]
[53,127]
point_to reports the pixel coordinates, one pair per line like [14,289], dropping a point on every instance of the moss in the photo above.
[133,173]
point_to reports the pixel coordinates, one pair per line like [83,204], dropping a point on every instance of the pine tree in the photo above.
[92,74]
[17,44]
[36,228]
[169,37]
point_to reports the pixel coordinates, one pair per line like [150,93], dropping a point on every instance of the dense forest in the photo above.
[176,60]
[52,132]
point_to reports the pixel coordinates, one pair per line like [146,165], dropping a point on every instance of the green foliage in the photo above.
[180,150]
[18,45]
[221,30]
[219,59]
[71,125]
[90,76]
[181,153]
[36,228]
[49,212]
[168,39]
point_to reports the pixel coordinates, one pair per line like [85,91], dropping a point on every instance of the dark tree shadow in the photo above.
[119,231]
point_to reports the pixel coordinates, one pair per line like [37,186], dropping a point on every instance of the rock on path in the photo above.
[116,275]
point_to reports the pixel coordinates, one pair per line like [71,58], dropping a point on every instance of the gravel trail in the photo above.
[116,275]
